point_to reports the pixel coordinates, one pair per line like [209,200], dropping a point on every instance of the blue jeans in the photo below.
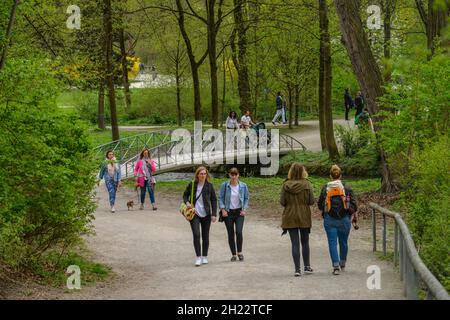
[151,190]
[111,185]
[337,230]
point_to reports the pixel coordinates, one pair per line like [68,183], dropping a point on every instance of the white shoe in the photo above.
[204,260]
[198,262]
[113,209]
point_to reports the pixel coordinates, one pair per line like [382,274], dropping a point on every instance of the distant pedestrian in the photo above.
[348,103]
[284,110]
[296,197]
[111,173]
[279,105]
[338,206]
[359,103]
[233,204]
[232,122]
[364,120]
[246,120]
[144,169]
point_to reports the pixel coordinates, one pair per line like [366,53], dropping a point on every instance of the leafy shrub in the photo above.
[46,169]
[427,202]
[364,163]
[353,139]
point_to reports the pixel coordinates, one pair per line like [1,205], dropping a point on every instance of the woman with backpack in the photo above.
[296,197]
[204,201]
[110,172]
[233,204]
[338,206]
[144,169]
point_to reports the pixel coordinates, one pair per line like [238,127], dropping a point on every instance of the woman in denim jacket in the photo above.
[110,172]
[233,204]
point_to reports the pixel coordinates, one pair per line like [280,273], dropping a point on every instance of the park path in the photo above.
[152,256]
[307,132]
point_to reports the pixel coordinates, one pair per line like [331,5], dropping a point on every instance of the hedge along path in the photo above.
[152,255]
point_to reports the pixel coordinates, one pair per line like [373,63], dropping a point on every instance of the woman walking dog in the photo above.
[233,204]
[205,204]
[110,172]
[144,169]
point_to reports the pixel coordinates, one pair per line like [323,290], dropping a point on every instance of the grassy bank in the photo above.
[267,190]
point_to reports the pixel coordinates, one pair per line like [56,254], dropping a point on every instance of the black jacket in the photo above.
[359,103]
[208,195]
[348,191]
[348,101]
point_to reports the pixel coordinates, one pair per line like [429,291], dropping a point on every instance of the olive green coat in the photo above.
[296,197]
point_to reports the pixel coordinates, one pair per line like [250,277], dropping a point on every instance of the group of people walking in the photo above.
[110,172]
[362,115]
[336,202]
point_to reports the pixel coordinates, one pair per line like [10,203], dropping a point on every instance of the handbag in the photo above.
[188,213]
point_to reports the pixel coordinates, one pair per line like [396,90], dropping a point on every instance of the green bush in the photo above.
[46,169]
[427,204]
[353,139]
[364,163]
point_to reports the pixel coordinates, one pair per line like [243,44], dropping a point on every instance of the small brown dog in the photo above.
[130,204]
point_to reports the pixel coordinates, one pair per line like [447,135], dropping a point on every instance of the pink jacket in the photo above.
[139,172]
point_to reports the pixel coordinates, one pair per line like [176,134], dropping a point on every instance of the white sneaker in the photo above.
[198,262]
[204,260]
[113,209]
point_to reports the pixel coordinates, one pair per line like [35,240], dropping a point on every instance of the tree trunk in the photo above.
[9,29]
[322,118]
[366,70]
[101,105]
[290,103]
[107,19]
[241,67]
[296,103]
[126,83]
[212,52]
[224,89]
[327,77]
[192,61]
[434,21]
[388,8]
[178,84]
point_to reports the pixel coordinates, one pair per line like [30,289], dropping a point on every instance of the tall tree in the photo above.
[9,30]
[240,54]
[366,70]
[434,20]
[107,24]
[326,78]
[194,63]
[124,65]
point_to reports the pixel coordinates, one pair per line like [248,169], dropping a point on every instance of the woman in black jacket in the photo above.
[205,204]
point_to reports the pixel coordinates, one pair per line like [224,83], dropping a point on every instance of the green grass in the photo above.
[267,190]
[157,106]
[54,271]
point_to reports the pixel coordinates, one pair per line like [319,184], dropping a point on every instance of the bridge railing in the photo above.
[412,269]
[128,147]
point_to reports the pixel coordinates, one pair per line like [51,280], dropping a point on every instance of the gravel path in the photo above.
[152,254]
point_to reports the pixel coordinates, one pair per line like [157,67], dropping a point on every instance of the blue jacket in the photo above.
[225,195]
[104,173]
[279,102]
